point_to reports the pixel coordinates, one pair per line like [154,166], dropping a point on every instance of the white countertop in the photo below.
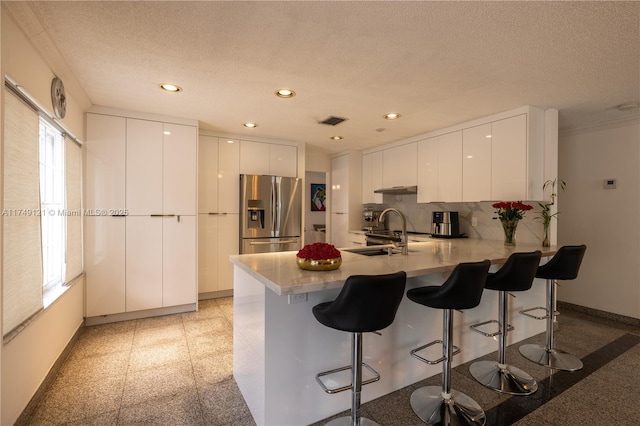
[280,273]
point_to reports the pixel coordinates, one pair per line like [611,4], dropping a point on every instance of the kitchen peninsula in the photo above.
[279,347]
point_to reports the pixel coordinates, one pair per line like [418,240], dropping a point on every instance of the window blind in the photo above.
[22,247]
[73,184]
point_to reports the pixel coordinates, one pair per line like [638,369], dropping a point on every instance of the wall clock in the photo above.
[58,98]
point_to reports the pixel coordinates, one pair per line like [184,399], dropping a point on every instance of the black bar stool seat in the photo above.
[366,303]
[564,265]
[462,290]
[516,274]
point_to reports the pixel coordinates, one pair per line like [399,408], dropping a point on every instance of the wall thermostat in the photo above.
[609,184]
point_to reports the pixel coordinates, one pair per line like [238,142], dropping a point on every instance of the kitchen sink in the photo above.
[369,251]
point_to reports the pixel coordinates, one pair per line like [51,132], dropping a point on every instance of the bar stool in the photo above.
[462,290]
[516,274]
[564,265]
[366,303]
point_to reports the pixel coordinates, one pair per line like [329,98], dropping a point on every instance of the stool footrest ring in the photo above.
[475,328]
[546,314]
[350,385]
[456,351]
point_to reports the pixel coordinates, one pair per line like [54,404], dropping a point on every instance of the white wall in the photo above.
[606,220]
[27,358]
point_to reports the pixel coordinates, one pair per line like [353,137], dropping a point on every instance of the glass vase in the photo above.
[545,235]
[509,226]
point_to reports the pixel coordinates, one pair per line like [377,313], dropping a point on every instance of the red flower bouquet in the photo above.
[319,251]
[509,210]
[319,257]
[509,213]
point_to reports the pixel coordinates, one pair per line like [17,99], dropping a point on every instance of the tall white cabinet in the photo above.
[141,254]
[345,204]
[218,214]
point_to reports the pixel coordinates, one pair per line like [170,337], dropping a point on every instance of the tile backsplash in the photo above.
[419,218]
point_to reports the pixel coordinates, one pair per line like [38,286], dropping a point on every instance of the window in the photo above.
[52,203]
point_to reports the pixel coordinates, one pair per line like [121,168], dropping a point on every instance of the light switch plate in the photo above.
[609,184]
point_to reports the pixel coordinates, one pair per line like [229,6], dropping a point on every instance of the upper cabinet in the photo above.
[495,161]
[496,158]
[440,171]
[218,174]
[371,177]
[476,163]
[258,158]
[400,165]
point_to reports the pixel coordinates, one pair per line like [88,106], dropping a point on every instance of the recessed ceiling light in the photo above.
[170,87]
[285,93]
[166,132]
[628,106]
[250,125]
[336,138]
[231,141]
[488,136]
[392,116]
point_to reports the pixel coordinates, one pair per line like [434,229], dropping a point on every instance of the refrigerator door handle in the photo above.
[274,209]
[265,243]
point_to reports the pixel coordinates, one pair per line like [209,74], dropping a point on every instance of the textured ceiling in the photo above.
[436,63]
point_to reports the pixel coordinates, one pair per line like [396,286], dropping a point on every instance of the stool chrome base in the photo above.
[503,378]
[348,421]
[552,358]
[433,408]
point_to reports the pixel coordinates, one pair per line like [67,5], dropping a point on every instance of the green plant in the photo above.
[545,212]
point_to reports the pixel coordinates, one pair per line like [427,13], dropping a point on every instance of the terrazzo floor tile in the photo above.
[165,380]
[223,403]
[178,370]
[178,409]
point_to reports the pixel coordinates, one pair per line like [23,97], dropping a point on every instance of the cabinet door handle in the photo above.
[162,215]
[217,214]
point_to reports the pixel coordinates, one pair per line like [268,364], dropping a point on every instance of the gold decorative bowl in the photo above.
[319,265]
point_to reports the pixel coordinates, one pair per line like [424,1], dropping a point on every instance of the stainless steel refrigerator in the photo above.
[270,213]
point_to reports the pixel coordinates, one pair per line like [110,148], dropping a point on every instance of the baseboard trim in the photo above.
[125,316]
[215,294]
[600,314]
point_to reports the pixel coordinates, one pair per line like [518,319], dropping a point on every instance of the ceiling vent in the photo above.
[333,121]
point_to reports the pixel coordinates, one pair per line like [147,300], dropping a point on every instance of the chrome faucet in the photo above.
[403,241]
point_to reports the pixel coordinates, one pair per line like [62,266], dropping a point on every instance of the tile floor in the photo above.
[177,370]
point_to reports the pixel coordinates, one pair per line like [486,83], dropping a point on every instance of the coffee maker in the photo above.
[445,224]
[371,221]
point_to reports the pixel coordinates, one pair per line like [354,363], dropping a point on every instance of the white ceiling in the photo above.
[436,63]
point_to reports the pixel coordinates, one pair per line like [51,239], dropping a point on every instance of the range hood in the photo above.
[398,190]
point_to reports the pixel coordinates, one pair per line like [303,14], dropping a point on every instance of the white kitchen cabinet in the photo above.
[283,160]
[105,153]
[371,177]
[400,165]
[143,262]
[218,219]
[144,142]
[104,236]
[356,239]
[476,163]
[132,262]
[440,172]
[495,160]
[228,244]
[254,158]
[179,169]
[104,265]
[259,158]
[509,158]
[161,259]
[450,167]
[345,202]
[179,260]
